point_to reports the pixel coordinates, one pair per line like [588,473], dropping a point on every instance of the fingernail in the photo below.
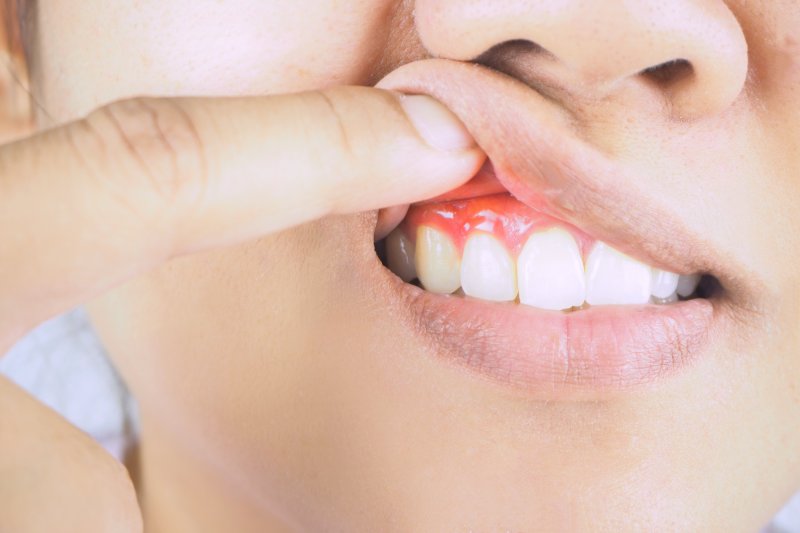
[435,123]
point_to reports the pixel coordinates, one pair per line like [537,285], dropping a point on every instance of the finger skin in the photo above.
[92,203]
[54,478]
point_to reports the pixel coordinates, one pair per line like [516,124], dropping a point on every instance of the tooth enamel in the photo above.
[672,298]
[664,283]
[487,270]
[550,271]
[436,260]
[688,284]
[400,255]
[613,278]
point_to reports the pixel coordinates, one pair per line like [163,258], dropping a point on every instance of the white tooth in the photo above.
[400,255]
[672,298]
[688,284]
[664,283]
[436,259]
[487,270]
[550,271]
[613,278]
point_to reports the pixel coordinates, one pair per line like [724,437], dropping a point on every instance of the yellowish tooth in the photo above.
[437,262]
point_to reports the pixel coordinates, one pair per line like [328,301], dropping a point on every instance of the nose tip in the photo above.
[694,53]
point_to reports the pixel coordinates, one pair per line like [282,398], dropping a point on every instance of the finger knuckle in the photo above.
[338,124]
[348,115]
[153,144]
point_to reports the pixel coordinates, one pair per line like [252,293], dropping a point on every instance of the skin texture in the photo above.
[277,391]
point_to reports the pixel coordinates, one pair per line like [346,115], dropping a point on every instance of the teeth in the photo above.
[672,298]
[664,283]
[613,278]
[400,255]
[550,271]
[436,260]
[688,284]
[487,270]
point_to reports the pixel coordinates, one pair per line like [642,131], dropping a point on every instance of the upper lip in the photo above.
[536,154]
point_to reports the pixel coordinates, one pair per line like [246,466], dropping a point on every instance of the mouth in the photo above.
[550,270]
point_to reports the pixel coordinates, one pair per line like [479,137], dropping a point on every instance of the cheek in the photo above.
[246,324]
[252,355]
[237,312]
[219,344]
[178,47]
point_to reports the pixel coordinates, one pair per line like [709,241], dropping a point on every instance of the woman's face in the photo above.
[294,368]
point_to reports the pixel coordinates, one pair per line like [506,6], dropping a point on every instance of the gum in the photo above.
[501,215]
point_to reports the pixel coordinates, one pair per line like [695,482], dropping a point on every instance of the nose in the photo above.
[693,52]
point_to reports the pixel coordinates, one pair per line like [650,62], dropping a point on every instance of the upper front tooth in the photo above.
[400,255]
[550,271]
[613,278]
[688,284]
[664,283]
[487,270]
[436,259]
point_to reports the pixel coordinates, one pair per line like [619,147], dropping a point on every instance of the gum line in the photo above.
[508,219]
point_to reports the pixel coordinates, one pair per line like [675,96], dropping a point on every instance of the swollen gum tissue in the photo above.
[501,215]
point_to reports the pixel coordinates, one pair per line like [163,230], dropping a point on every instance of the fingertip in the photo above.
[436,124]
[388,219]
[446,172]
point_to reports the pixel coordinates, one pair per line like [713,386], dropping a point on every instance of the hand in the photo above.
[90,204]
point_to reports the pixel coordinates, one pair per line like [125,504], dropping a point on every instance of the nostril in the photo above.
[508,51]
[694,52]
[517,58]
[668,73]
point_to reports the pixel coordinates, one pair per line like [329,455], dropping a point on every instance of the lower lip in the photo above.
[555,355]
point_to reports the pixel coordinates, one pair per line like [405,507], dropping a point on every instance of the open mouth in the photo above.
[498,249]
[549,270]
[535,301]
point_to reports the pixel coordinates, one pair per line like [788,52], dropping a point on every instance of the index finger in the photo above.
[97,201]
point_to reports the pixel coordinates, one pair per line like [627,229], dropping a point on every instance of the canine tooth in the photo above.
[437,262]
[550,271]
[613,278]
[688,284]
[664,283]
[487,270]
[400,255]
